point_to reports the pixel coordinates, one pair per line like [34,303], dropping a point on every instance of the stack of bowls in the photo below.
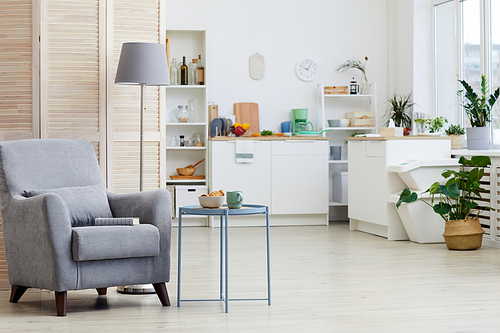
[334,122]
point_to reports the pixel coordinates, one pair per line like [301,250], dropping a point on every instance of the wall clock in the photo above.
[307,70]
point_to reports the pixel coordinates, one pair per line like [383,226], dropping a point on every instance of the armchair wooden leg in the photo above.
[161,291]
[102,291]
[61,297]
[16,293]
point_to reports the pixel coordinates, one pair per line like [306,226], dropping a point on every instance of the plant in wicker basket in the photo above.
[456,134]
[455,200]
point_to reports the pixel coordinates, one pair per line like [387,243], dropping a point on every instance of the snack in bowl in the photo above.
[213,200]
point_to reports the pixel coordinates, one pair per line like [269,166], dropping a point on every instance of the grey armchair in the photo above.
[51,191]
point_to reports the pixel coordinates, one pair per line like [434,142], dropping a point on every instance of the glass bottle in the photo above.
[174,73]
[200,72]
[192,71]
[184,72]
[192,111]
[181,140]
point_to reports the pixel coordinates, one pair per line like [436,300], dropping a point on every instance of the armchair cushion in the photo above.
[115,242]
[85,203]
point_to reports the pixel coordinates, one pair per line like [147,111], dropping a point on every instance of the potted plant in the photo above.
[478,110]
[397,110]
[456,134]
[361,66]
[455,200]
[435,124]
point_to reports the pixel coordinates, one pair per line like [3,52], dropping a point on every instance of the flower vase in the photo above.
[365,90]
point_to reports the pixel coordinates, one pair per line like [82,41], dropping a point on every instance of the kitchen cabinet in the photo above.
[254,179]
[370,182]
[189,43]
[288,175]
[299,171]
[335,106]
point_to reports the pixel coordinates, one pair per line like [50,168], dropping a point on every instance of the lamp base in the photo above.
[136,289]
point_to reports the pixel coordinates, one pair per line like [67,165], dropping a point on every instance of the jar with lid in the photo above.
[182,114]
[181,140]
[197,140]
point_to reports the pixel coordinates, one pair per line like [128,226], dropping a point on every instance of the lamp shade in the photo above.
[143,63]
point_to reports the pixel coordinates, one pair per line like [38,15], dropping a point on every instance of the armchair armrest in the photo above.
[151,207]
[37,236]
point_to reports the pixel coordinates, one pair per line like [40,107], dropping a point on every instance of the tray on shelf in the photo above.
[187,177]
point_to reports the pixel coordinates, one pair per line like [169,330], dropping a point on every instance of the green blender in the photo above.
[299,121]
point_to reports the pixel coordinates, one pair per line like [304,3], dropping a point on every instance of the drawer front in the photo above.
[299,147]
[376,148]
[188,195]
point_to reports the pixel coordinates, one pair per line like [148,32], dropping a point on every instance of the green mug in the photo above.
[234,199]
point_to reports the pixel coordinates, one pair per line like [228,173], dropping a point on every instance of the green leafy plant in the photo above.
[398,110]
[478,109]
[420,121]
[456,198]
[455,130]
[435,124]
[354,64]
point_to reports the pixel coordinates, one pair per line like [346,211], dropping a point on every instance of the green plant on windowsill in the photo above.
[455,130]
[435,124]
[478,109]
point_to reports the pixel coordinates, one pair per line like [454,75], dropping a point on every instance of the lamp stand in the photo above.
[139,288]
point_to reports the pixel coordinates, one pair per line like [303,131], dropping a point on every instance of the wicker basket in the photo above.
[466,234]
[457,141]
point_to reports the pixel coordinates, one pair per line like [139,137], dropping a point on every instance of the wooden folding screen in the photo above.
[57,64]
[135,21]
[18,70]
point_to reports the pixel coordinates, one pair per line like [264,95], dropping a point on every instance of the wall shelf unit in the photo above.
[188,43]
[335,106]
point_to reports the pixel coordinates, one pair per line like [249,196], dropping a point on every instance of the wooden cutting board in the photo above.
[247,113]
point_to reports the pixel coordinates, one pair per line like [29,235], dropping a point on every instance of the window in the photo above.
[466,45]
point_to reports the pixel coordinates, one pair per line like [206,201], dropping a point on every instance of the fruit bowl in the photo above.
[211,202]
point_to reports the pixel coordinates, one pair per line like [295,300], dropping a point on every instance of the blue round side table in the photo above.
[224,212]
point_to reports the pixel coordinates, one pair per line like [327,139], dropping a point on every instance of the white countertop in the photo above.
[466,152]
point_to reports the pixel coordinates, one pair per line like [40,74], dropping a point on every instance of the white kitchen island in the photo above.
[288,174]
[370,183]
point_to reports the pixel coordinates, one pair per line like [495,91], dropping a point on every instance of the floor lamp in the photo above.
[143,64]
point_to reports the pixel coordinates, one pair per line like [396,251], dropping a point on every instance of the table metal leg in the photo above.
[268,260]
[226,259]
[221,273]
[179,261]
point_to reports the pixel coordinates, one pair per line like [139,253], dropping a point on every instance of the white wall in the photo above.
[284,32]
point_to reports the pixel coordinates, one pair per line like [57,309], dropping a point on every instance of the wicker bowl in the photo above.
[186,171]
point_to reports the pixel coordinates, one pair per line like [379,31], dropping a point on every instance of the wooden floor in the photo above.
[324,279]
